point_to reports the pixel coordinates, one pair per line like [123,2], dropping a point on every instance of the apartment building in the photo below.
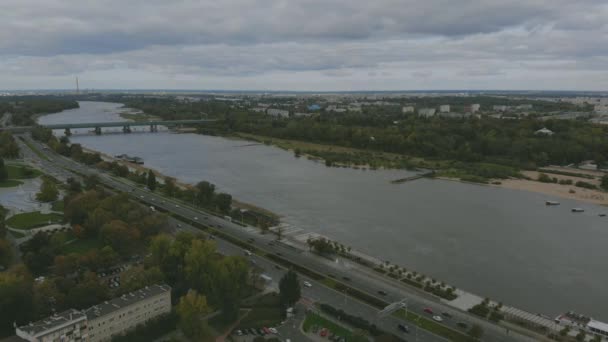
[444,108]
[101,322]
[426,112]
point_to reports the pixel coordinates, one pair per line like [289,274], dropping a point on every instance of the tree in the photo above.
[476,331]
[48,191]
[191,309]
[581,335]
[169,187]
[604,183]
[120,236]
[206,192]
[15,299]
[6,253]
[223,202]
[151,181]
[289,288]
[3,172]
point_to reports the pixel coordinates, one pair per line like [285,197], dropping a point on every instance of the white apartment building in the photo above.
[444,108]
[475,107]
[278,112]
[101,322]
[407,109]
[426,112]
[67,326]
[500,108]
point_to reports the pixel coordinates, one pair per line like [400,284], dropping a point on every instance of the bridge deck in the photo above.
[129,123]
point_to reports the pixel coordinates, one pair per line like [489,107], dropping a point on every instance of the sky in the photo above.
[307,45]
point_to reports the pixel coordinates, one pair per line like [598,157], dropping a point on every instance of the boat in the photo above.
[551,203]
[578,210]
[602,215]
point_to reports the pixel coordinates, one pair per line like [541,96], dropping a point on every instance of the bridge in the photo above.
[126,125]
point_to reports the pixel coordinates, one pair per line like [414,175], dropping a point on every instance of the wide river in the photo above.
[500,243]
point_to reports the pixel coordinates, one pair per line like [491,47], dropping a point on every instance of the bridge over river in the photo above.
[126,125]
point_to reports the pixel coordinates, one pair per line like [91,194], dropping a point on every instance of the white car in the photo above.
[307,284]
[177,206]
[437,318]
[273,330]
[196,218]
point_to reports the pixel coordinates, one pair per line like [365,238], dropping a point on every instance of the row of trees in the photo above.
[23,108]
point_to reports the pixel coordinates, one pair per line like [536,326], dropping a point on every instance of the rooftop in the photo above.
[598,325]
[54,322]
[118,303]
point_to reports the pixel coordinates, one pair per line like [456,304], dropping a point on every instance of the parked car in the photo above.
[382,293]
[462,325]
[307,284]
[437,318]
[239,333]
[403,328]
[446,314]
[323,332]
[273,330]
[428,310]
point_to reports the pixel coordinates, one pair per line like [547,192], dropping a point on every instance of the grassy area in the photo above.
[10,183]
[313,319]
[32,220]
[434,327]
[17,235]
[79,246]
[138,116]
[57,205]
[21,172]
[265,312]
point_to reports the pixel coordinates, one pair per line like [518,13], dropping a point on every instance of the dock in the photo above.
[414,177]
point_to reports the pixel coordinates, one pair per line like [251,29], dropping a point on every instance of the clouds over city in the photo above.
[305,45]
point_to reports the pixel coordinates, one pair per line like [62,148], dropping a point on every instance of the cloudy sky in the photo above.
[304,44]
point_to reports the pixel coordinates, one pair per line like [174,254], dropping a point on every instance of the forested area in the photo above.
[23,108]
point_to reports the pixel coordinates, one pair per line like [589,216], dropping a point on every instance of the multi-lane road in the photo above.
[384,289]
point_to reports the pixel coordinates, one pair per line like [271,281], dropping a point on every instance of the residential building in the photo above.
[301,114]
[278,112]
[475,107]
[67,326]
[426,112]
[313,107]
[598,328]
[101,322]
[444,108]
[525,107]
[601,109]
[500,108]
[407,109]
[259,109]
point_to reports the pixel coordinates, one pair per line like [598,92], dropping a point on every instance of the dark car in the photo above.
[462,325]
[346,278]
[382,293]
[446,314]
[403,328]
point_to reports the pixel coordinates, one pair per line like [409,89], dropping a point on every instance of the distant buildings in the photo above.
[301,114]
[259,109]
[544,131]
[524,107]
[444,108]
[407,109]
[103,321]
[500,108]
[601,109]
[473,108]
[277,112]
[314,107]
[426,112]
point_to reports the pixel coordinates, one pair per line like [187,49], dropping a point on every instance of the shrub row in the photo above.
[355,321]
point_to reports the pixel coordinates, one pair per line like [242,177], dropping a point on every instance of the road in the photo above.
[62,167]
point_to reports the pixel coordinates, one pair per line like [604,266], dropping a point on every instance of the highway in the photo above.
[62,167]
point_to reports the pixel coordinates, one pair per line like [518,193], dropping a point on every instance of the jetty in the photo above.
[414,177]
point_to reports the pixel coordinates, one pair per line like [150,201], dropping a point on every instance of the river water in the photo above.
[498,243]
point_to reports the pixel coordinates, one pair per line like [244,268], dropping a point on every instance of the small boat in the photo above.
[551,203]
[578,210]
[602,215]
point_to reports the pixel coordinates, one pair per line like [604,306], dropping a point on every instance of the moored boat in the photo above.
[578,210]
[551,203]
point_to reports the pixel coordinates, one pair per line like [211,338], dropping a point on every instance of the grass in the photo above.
[321,322]
[32,220]
[79,246]
[57,205]
[21,172]
[17,235]
[265,312]
[433,327]
[138,116]
[10,183]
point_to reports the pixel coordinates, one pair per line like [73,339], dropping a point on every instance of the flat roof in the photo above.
[125,300]
[598,325]
[54,322]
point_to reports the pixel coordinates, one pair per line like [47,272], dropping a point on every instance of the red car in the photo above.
[428,310]
[323,332]
[266,331]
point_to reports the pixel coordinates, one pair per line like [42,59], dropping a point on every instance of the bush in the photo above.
[480,310]
[355,321]
[585,185]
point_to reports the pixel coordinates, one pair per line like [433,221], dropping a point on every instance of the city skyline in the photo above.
[305,45]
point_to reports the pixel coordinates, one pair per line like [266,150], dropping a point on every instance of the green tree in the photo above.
[205,194]
[191,309]
[6,253]
[120,236]
[223,202]
[604,183]
[169,188]
[48,191]
[289,288]
[151,181]
[581,335]
[476,331]
[3,172]
[15,299]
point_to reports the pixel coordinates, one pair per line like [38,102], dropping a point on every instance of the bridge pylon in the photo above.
[98,130]
[67,132]
[126,129]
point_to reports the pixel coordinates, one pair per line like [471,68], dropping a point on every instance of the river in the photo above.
[498,243]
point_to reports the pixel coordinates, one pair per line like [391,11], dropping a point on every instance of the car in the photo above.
[307,284]
[277,267]
[179,225]
[323,332]
[462,325]
[382,293]
[266,330]
[261,332]
[403,328]
[141,196]
[446,314]
[273,330]
[177,206]
[196,218]
[245,332]
[346,278]
[428,310]
[247,253]
[239,333]
[437,318]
